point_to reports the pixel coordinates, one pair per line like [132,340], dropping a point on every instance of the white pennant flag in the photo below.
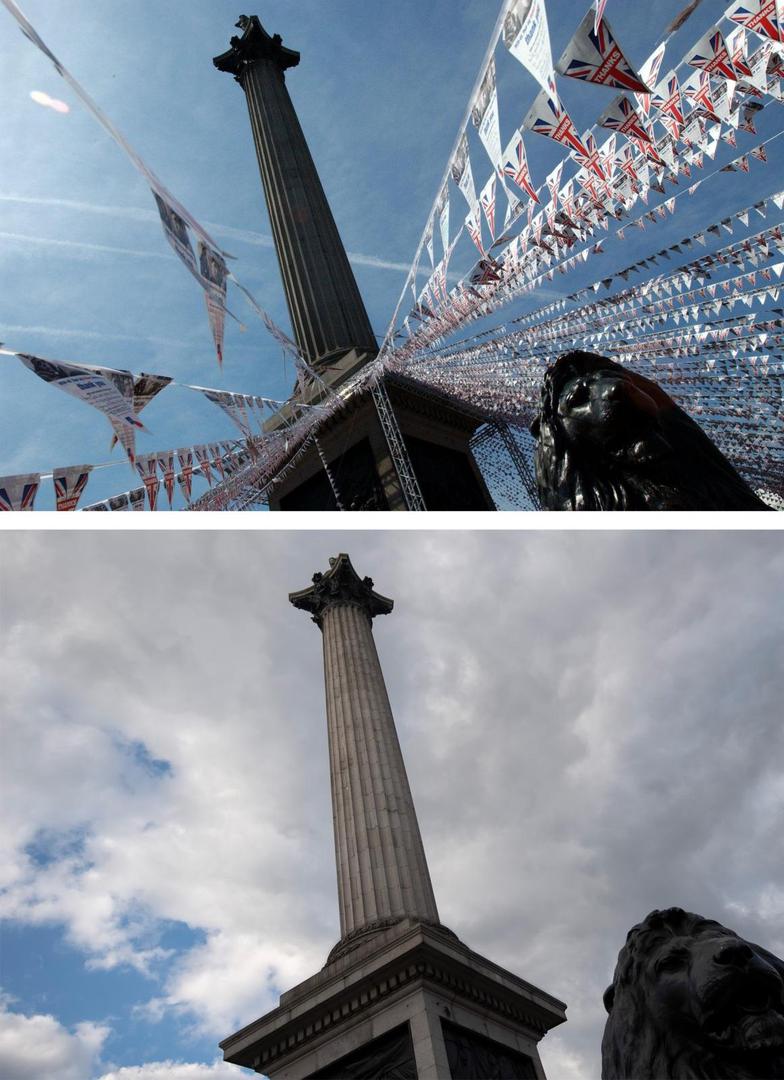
[527,37]
[462,175]
[484,114]
[69,484]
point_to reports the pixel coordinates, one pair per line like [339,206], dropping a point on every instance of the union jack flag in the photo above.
[698,90]
[624,118]
[590,157]
[66,499]
[609,67]
[166,465]
[713,57]
[147,468]
[516,165]
[203,457]
[761,16]
[185,459]
[18,492]
[670,106]
[548,117]
[217,459]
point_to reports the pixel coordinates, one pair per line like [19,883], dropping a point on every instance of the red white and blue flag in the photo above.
[515,165]
[203,456]
[590,157]
[166,465]
[764,17]
[712,56]
[593,55]
[697,89]
[18,492]
[599,6]
[621,116]
[667,99]
[147,468]
[185,459]
[547,116]
[736,47]
[69,483]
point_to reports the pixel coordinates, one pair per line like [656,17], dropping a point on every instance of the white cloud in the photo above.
[38,1046]
[174,1070]
[589,723]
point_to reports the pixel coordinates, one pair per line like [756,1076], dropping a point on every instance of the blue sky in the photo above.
[88,275]
[166,853]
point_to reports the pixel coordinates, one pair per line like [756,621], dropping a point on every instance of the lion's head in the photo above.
[609,439]
[689,999]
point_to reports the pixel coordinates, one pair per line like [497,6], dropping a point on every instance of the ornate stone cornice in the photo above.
[340,585]
[255,44]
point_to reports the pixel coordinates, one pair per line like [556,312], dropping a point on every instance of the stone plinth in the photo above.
[460,1015]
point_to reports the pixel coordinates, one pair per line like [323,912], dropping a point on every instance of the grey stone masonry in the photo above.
[381,865]
[326,308]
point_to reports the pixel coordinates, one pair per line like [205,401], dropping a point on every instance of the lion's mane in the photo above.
[625,445]
[643,1042]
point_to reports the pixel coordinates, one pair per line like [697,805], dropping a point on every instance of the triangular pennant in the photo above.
[593,55]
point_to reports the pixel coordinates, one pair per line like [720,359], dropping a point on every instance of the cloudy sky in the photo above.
[381,90]
[604,741]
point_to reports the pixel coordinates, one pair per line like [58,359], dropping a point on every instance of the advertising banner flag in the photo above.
[594,56]
[145,387]
[442,213]
[118,502]
[460,169]
[527,37]
[203,457]
[621,116]
[429,242]
[474,228]
[484,114]
[185,477]
[106,389]
[147,468]
[166,465]
[548,117]
[515,165]
[764,17]
[18,492]
[69,484]
[176,232]
[214,271]
[487,199]
[135,499]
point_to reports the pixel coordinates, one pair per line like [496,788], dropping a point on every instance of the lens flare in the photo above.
[49,102]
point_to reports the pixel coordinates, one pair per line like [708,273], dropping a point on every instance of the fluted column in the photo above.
[327,312]
[381,865]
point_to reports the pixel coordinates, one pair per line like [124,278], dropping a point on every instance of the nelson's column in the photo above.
[400,996]
[430,431]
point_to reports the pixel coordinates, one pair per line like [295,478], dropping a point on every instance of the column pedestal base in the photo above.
[413,996]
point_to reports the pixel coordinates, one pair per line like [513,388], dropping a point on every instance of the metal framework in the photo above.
[397,448]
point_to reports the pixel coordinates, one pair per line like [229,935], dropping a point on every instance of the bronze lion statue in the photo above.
[609,439]
[690,999]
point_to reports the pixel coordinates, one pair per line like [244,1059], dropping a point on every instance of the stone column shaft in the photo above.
[327,312]
[382,869]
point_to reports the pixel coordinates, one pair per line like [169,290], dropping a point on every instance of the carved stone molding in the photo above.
[341,584]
